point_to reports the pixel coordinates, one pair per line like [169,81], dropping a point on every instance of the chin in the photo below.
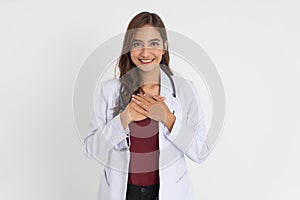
[148,67]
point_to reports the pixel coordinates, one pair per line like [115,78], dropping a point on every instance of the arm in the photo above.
[104,135]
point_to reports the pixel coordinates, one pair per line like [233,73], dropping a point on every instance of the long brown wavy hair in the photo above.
[129,76]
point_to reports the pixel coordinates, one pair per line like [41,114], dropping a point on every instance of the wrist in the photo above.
[125,118]
[170,120]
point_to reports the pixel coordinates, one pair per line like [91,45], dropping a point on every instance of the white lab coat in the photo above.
[106,141]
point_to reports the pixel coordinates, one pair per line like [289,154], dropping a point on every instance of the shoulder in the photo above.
[110,83]
[182,83]
[110,88]
[185,89]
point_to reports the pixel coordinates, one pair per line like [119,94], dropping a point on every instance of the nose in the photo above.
[145,52]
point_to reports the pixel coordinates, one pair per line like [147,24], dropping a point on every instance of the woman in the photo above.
[146,121]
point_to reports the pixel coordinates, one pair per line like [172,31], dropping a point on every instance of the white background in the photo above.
[254,45]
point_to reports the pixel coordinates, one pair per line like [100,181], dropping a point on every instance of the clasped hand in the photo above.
[144,106]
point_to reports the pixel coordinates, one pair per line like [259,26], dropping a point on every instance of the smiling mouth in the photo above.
[146,61]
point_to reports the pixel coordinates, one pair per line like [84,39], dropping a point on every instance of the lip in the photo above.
[144,63]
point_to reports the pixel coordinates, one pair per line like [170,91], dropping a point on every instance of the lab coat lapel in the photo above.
[167,92]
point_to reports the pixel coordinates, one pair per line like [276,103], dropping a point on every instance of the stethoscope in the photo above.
[122,104]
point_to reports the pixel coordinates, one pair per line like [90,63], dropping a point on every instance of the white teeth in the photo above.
[145,61]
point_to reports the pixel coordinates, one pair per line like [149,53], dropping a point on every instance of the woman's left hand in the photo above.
[153,107]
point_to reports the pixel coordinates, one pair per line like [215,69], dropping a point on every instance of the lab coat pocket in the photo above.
[106,176]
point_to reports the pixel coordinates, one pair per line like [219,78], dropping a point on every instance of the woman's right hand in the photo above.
[129,114]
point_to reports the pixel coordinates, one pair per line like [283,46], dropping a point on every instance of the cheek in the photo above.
[134,54]
[159,55]
[158,52]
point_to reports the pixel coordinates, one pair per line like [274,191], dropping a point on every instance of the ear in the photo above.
[165,46]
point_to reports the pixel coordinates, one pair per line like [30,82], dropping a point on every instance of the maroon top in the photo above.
[144,153]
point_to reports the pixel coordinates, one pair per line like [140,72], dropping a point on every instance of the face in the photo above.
[147,48]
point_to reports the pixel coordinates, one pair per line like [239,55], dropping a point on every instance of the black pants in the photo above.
[135,192]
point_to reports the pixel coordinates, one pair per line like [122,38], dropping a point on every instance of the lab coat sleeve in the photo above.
[189,132]
[104,135]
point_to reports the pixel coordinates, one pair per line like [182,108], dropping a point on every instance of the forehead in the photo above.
[147,33]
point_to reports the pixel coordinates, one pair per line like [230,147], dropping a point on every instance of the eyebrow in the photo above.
[155,39]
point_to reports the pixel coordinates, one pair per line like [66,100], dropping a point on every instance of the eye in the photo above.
[136,44]
[154,44]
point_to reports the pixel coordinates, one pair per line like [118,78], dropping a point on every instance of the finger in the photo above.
[146,97]
[159,98]
[141,99]
[140,103]
[141,111]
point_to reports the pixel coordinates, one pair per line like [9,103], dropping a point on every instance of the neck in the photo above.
[151,77]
